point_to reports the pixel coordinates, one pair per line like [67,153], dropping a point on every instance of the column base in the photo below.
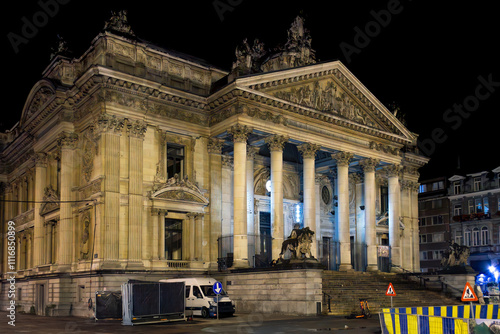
[110,265]
[135,265]
[372,268]
[345,267]
[240,264]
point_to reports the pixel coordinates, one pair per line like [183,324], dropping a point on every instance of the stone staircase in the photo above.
[346,288]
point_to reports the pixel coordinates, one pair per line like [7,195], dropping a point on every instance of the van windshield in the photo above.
[208,291]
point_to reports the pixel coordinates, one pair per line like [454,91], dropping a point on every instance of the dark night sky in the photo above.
[427,58]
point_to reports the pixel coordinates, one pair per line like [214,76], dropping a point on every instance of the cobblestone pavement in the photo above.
[242,323]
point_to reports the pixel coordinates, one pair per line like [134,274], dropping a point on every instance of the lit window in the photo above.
[422,188]
[486,205]
[479,205]
[297,213]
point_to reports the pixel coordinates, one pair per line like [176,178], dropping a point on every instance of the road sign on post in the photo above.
[217,287]
[468,295]
[390,291]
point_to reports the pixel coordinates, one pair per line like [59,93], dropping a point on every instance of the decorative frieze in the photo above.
[267,116]
[308,150]
[384,148]
[342,158]
[276,142]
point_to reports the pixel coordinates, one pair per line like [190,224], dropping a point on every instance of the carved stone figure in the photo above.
[456,255]
[298,243]
[84,245]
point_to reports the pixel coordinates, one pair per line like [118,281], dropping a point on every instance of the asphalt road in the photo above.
[242,323]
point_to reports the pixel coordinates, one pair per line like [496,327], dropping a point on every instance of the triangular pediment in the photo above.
[331,90]
[42,93]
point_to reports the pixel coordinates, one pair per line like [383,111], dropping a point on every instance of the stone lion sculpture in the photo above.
[298,243]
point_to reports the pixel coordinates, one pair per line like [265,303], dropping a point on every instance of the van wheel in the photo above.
[204,312]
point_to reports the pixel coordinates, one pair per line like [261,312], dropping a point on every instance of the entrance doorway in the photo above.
[40,299]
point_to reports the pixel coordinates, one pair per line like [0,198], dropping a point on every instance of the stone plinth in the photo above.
[288,292]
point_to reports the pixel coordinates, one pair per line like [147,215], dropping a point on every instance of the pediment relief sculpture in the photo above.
[176,188]
[51,201]
[328,97]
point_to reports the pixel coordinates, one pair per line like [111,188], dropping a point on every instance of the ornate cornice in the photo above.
[384,148]
[240,133]
[342,158]
[308,150]
[276,142]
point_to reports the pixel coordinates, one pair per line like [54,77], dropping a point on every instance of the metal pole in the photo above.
[217,307]
[391,302]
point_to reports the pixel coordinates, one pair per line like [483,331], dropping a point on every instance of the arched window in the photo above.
[485,236]
[467,237]
[475,236]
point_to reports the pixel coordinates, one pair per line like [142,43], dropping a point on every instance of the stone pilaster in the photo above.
[276,144]
[343,159]
[138,243]
[240,242]
[109,130]
[251,151]
[394,213]
[308,151]
[214,151]
[368,166]
[40,160]
[67,142]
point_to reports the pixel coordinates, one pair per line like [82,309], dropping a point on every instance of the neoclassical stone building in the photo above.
[133,161]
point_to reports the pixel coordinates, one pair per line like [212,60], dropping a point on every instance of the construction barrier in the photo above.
[490,311]
[393,323]
[457,319]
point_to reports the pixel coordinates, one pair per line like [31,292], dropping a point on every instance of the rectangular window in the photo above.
[173,239]
[175,160]
[422,188]
[477,183]
[458,240]
[471,206]
[437,220]
[486,205]
[421,222]
[437,185]
[457,210]
[457,189]
[423,238]
[384,199]
[467,238]
[423,255]
[437,255]
[478,205]
[81,293]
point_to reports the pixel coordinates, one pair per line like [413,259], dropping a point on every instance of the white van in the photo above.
[202,300]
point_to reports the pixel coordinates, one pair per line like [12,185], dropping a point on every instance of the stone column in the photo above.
[192,235]
[308,151]
[138,230]
[251,151]
[276,144]
[415,229]
[368,166]
[394,214]
[214,151]
[40,184]
[240,241]
[343,159]
[67,142]
[109,130]
[48,242]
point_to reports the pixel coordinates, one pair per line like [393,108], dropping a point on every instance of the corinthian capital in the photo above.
[276,142]
[108,123]
[67,140]
[392,170]
[40,159]
[342,158]
[137,129]
[369,164]
[308,150]
[215,145]
[240,133]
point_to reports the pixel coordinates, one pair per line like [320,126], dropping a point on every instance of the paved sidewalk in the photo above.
[241,323]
